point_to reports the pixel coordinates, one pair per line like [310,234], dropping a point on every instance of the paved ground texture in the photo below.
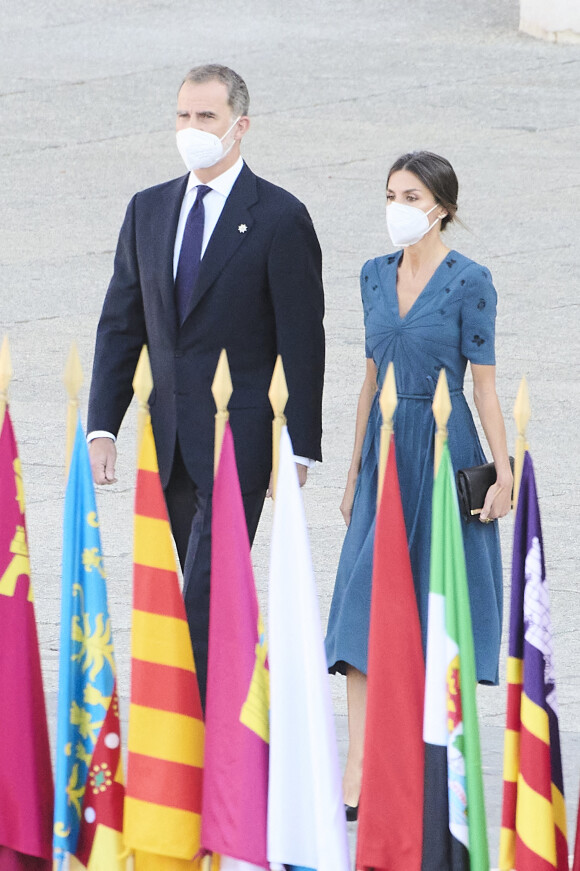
[339,89]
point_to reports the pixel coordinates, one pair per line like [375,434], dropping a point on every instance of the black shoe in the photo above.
[351,813]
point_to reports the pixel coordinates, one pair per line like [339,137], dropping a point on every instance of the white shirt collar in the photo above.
[221,183]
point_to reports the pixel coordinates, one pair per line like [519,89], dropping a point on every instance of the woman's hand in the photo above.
[498,501]
[348,498]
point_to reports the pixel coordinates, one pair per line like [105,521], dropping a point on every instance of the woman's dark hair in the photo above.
[437,174]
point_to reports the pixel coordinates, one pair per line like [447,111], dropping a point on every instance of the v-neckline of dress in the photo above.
[403,318]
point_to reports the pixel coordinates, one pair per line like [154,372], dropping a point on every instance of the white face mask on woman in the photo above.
[408,224]
[200,149]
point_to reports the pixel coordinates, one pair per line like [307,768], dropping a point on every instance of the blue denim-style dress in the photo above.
[452,321]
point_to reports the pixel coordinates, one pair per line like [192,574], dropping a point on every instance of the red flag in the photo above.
[235,782]
[390,820]
[26,788]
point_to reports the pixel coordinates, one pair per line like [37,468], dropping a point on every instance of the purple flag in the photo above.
[533,834]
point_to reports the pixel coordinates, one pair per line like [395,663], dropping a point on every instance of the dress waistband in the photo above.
[424,396]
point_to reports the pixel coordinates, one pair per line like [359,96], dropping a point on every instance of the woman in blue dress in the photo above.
[426,307]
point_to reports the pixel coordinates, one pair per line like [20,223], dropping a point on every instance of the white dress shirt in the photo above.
[213,203]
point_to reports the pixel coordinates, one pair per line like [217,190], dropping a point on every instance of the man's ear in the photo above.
[242,127]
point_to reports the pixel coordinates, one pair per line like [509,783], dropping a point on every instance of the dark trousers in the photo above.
[190,517]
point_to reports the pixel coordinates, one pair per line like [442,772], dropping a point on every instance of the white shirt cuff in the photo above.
[304,461]
[100,434]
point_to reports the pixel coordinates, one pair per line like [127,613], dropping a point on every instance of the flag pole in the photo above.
[441,410]
[278,396]
[521,416]
[72,379]
[6,374]
[142,387]
[222,390]
[388,404]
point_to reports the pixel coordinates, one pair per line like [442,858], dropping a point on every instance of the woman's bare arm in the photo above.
[365,400]
[498,498]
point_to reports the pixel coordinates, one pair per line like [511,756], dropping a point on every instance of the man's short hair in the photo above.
[238,96]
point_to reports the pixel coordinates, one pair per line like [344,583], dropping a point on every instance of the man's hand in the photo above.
[302,472]
[103,455]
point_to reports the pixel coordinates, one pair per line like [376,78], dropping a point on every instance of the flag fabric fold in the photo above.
[26,785]
[166,730]
[88,817]
[235,784]
[306,821]
[454,826]
[533,829]
[390,825]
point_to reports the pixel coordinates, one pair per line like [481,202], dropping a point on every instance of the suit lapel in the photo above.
[162,231]
[233,227]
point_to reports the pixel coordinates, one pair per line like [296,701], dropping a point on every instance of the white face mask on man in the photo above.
[408,224]
[199,149]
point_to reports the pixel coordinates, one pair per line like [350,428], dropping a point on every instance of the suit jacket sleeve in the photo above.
[121,334]
[295,278]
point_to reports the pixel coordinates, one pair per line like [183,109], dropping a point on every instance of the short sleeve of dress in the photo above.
[478,311]
[366,301]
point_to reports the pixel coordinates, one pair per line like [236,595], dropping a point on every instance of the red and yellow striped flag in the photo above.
[533,832]
[166,731]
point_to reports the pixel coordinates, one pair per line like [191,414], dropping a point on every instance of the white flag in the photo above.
[306,819]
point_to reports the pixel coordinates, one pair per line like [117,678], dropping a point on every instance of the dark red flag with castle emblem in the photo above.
[26,787]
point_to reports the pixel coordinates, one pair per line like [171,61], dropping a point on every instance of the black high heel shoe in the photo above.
[351,813]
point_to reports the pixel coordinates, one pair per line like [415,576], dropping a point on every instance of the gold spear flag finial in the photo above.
[6,374]
[72,379]
[222,390]
[441,410]
[142,387]
[522,413]
[278,396]
[388,404]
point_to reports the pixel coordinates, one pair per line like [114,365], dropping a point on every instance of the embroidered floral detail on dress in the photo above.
[477,340]
[462,282]
[450,262]
[391,259]
[447,290]
[481,304]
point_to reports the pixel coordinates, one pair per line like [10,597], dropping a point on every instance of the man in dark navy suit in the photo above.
[218,258]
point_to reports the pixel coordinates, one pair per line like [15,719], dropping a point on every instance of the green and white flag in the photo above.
[454,827]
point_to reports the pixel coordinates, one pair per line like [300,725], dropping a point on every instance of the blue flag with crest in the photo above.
[87,665]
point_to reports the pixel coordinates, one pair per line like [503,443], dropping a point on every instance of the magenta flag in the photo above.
[576,864]
[235,778]
[26,787]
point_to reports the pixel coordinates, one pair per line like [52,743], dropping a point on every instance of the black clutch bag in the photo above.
[472,485]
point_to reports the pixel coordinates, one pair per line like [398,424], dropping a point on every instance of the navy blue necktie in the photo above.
[190,254]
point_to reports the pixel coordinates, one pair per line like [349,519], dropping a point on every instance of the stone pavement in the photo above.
[338,91]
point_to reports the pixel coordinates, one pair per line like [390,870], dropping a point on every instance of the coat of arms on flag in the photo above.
[88,817]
